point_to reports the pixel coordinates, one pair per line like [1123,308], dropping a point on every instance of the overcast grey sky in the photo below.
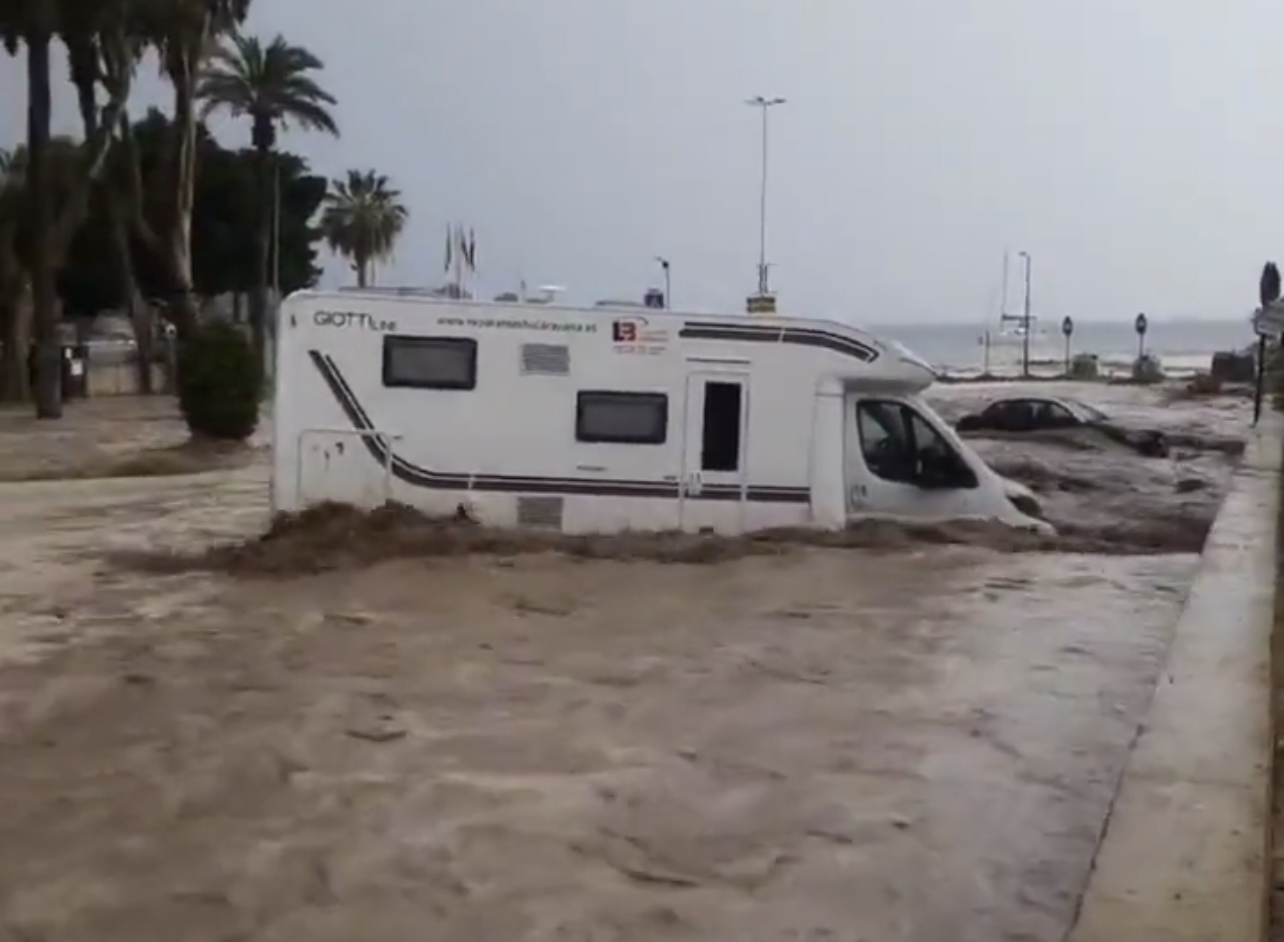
[1127,144]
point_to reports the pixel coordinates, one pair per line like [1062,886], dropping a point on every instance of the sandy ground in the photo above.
[917,744]
[107,437]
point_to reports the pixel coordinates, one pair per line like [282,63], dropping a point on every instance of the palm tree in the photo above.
[362,219]
[13,280]
[19,255]
[270,85]
[34,25]
[182,33]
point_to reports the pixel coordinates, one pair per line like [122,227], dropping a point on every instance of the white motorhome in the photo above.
[600,420]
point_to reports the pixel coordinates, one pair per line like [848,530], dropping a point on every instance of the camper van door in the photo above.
[714,433]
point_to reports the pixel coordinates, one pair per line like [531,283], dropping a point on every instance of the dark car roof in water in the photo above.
[1082,409]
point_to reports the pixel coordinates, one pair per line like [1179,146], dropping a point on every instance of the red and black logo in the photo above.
[625,331]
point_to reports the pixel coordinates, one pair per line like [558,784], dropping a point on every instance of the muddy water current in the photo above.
[427,741]
[1092,487]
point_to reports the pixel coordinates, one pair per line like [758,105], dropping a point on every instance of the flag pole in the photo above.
[459,261]
[472,261]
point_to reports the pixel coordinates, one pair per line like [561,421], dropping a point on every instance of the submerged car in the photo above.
[1016,414]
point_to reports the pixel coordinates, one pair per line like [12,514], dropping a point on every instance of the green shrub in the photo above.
[220,382]
[1204,384]
[1147,369]
[1273,374]
[1085,366]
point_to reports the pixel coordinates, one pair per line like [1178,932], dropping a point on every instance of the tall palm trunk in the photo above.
[44,301]
[181,66]
[259,302]
[140,314]
[15,316]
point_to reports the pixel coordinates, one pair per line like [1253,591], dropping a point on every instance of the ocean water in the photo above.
[1184,347]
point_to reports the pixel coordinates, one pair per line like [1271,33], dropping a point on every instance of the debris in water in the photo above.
[332,536]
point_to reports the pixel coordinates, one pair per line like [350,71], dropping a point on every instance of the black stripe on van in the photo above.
[800,336]
[381,451]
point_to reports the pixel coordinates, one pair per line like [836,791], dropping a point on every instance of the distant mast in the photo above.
[1022,323]
[1003,302]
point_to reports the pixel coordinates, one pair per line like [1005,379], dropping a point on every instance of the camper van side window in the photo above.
[430,362]
[622,418]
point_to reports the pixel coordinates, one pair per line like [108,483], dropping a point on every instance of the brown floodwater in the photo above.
[902,741]
[1088,484]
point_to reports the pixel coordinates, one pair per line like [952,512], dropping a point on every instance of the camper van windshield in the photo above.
[899,444]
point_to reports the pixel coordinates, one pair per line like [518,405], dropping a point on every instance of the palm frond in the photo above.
[268,82]
[362,217]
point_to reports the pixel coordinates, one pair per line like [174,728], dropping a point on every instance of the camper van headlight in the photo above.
[1022,499]
[1027,504]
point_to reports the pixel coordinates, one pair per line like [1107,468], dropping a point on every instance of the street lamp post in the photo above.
[276,230]
[1025,320]
[765,105]
[270,325]
[668,285]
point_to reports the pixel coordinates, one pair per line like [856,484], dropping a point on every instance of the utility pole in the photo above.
[271,310]
[1025,321]
[765,105]
[276,228]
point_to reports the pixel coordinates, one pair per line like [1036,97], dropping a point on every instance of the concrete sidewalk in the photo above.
[1184,854]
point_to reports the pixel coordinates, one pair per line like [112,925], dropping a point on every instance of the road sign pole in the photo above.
[1067,331]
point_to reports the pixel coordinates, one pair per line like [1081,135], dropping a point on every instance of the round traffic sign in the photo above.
[1067,326]
[1140,324]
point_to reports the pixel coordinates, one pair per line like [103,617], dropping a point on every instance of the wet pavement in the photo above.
[1186,855]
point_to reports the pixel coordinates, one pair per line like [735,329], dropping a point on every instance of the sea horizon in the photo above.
[1182,345]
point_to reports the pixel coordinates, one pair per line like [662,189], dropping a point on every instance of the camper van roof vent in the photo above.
[546,359]
[540,512]
[547,294]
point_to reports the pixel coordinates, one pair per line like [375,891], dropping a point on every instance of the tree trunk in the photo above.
[17,345]
[183,312]
[83,57]
[140,316]
[177,239]
[44,302]
[140,313]
[363,273]
[259,302]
